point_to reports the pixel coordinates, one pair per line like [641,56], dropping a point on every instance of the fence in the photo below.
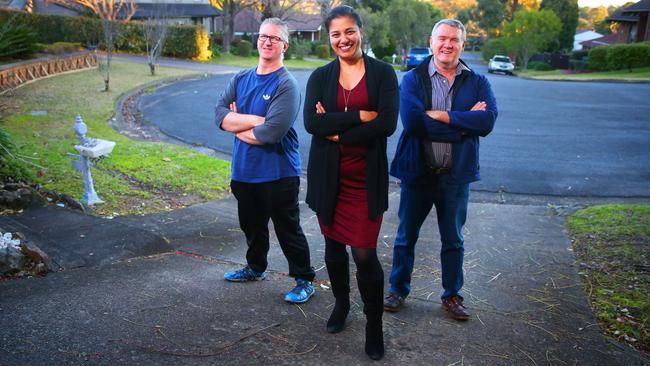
[14,75]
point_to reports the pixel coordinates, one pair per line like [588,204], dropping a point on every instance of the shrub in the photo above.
[617,56]
[202,41]
[598,58]
[298,49]
[183,41]
[388,59]
[323,51]
[496,46]
[16,40]
[58,48]
[387,50]
[638,54]
[245,48]
[540,66]
[10,165]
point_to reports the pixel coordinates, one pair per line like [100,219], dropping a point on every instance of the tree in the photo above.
[283,9]
[411,22]
[491,14]
[375,29]
[531,31]
[230,9]
[155,28]
[568,12]
[374,5]
[324,7]
[113,14]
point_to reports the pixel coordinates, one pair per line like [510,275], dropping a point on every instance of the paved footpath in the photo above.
[148,290]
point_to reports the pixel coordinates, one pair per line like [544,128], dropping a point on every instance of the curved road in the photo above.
[551,138]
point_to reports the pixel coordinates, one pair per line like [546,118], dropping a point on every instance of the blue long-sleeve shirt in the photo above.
[275,97]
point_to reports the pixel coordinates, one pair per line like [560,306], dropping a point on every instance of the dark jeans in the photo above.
[278,201]
[416,202]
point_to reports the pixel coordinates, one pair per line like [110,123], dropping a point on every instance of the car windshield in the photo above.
[420,51]
[502,59]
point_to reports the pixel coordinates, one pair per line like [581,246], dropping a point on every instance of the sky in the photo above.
[595,3]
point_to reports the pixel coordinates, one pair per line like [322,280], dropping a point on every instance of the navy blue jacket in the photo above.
[463,131]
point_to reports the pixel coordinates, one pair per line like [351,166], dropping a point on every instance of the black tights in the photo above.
[368,266]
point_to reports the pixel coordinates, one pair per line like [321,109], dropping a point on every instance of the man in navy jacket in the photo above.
[445,108]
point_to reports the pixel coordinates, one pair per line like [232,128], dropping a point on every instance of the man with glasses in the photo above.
[259,106]
[445,107]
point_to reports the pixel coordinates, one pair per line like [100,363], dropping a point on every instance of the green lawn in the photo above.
[612,245]
[139,176]
[638,74]
[251,61]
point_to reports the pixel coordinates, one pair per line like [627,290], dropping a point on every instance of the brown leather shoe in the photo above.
[454,306]
[393,303]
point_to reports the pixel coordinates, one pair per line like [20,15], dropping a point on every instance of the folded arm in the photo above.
[416,120]
[280,115]
[477,122]
[329,123]
[385,121]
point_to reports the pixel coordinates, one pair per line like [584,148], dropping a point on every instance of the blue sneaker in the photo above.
[244,275]
[301,293]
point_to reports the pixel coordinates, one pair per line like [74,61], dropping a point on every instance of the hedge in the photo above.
[323,51]
[495,46]
[540,66]
[182,41]
[620,56]
[245,48]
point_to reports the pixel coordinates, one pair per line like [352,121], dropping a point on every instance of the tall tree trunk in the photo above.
[228,22]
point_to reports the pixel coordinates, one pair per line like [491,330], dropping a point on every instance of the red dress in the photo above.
[351,225]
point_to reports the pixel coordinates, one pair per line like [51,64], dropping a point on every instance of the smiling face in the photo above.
[345,38]
[446,46]
[270,49]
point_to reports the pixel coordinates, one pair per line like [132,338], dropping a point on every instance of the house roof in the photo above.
[620,17]
[602,41]
[175,10]
[248,21]
[640,7]
[304,23]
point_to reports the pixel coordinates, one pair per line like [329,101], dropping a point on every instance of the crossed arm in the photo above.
[364,116]
[242,125]
[443,116]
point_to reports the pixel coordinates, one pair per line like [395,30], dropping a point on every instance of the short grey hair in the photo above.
[452,23]
[280,23]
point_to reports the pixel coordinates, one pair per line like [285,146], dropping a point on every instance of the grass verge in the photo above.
[638,74]
[139,176]
[612,245]
[251,61]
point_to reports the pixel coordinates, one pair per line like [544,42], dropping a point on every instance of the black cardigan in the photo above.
[323,167]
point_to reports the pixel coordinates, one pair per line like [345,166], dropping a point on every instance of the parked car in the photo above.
[415,56]
[500,63]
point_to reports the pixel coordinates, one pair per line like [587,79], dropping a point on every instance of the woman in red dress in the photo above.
[351,107]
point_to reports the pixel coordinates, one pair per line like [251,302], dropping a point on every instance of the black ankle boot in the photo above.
[336,322]
[339,274]
[374,339]
[372,294]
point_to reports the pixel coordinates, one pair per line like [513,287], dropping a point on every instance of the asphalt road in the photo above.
[551,138]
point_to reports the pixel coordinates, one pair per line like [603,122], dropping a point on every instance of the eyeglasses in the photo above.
[265,37]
